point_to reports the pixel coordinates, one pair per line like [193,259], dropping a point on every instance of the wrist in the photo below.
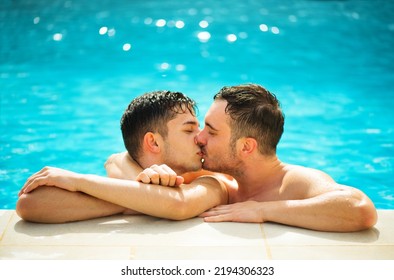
[262,210]
[268,210]
[83,181]
[275,211]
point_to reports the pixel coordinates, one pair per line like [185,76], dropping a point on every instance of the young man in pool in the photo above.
[158,127]
[242,130]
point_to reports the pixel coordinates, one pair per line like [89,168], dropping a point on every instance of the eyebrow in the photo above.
[210,126]
[191,123]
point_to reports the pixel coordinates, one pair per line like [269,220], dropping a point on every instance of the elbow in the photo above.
[180,212]
[27,209]
[362,214]
[32,207]
[365,215]
[22,207]
[368,215]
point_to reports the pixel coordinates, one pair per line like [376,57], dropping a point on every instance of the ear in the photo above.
[151,142]
[247,146]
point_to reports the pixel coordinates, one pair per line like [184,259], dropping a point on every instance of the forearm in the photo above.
[338,211]
[165,202]
[178,203]
[55,205]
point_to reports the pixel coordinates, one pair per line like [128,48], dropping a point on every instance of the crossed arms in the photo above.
[55,195]
[79,197]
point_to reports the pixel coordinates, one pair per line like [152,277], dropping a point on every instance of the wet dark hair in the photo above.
[151,112]
[255,112]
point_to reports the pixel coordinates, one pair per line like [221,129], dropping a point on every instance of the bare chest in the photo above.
[261,195]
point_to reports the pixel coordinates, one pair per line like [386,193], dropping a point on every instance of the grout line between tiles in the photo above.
[268,249]
[7,225]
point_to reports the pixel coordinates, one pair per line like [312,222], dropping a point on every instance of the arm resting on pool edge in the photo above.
[55,205]
[345,210]
[186,201]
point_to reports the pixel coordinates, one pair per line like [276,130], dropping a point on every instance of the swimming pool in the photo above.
[69,68]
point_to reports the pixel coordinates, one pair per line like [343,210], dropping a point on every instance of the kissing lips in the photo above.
[201,155]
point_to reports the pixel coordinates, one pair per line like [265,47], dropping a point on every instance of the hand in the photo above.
[245,212]
[160,175]
[51,176]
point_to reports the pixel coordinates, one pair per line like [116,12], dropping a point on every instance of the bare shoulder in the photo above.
[115,159]
[306,173]
[111,167]
[302,182]
[306,182]
[122,166]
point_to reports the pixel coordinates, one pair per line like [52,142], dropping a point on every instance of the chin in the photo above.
[207,167]
[196,167]
[212,167]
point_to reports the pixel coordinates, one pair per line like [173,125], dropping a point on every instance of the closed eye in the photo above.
[211,129]
[190,127]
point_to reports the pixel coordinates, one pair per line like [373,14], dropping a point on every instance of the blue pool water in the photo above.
[69,68]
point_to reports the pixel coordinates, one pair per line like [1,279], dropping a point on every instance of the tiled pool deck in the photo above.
[148,238]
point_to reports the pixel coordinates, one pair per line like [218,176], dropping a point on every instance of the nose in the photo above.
[198,139]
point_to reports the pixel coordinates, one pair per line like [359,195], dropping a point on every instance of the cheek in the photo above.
[216,144]
[213,144]
[187,144]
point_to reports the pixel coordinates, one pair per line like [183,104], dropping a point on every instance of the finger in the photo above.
[36,177]
[32,178]
[164,177]
[143,178]
[23,189]
[179,181]
[31,181]
[154,177]
[32,185]
[213,212]
[218,218]
[172,176]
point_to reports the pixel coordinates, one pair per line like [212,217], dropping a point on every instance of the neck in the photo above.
[259,173]
[148,161]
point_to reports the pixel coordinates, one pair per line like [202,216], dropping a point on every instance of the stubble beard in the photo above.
[229,164]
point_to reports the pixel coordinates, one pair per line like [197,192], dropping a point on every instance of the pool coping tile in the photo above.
[146,238]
